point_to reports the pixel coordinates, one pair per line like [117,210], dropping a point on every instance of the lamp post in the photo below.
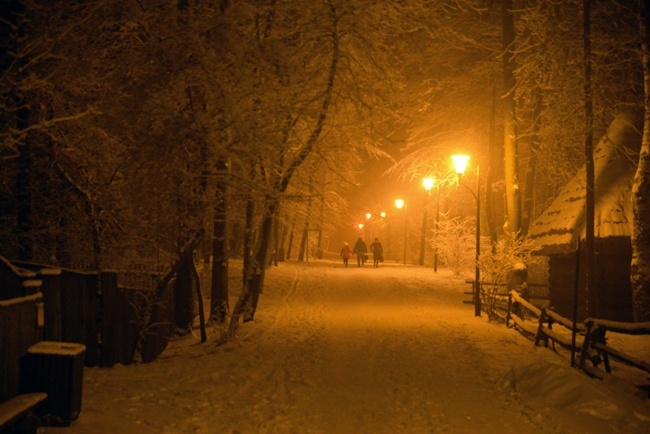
[399,203]
[460,163]
[428,184]
[367,231]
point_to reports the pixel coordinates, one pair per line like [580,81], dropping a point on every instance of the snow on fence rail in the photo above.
[518,308]
[568,338]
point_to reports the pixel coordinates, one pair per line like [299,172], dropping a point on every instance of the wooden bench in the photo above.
[17,414]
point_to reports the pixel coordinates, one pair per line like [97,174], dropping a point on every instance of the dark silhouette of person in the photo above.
[377,252]
[360,250]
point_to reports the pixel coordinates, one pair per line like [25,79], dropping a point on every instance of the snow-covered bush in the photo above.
[456,243]
[507,260]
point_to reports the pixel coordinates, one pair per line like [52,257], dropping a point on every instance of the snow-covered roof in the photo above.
[557,229]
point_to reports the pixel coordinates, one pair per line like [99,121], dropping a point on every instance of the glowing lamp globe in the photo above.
[460,163]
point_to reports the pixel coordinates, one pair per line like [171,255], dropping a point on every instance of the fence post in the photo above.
[586,343]
[509,309]
[540,327]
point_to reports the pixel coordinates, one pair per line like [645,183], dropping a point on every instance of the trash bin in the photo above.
[55,368]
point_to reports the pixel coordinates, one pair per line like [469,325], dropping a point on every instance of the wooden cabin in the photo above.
[555,233]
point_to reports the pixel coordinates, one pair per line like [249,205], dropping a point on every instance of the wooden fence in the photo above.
[19,329]
[90,308]
[587,339]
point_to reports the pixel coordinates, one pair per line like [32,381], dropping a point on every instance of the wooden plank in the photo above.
[564,321]
[90,318]
[528,328]
[516,296]
[109,325]
[642,328]
[18,406]
[18,331]
[622,357]
[564,341]
[52,302]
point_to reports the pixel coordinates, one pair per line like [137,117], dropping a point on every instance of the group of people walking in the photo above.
[361,250]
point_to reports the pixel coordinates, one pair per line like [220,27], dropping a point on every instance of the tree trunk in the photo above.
[183,299]
[247,302]
[276,242]
[529,190]
[423,234]
[256,280]
[493,158]
[513,197]
[319,245]
[293,225]
[219,294]
[283,237]
[640,270]
[304,241]
[24,192]
[592,295]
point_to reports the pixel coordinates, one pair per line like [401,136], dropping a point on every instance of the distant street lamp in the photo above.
[460,163]
[399,203]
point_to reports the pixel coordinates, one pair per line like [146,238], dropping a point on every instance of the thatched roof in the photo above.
[557,229]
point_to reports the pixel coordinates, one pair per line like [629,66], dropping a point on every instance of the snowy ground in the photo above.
[362,350]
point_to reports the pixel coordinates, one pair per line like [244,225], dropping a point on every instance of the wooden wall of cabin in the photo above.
[613,256]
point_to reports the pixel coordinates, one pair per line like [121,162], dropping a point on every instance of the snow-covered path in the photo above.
[356,350]
[373,352]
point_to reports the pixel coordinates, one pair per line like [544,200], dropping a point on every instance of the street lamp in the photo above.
[399,203]
[386,227]
[428,184]
[460,164]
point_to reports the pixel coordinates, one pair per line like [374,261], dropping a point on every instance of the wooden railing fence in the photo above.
[586,339]
[595,339]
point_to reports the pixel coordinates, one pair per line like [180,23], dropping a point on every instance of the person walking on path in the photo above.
[345,254]
[360,250]
[377,252]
